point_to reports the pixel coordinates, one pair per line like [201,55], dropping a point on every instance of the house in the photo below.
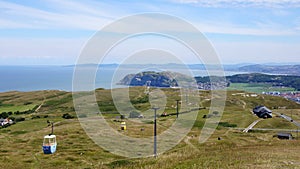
[287,136]
[6,121]
[1,121]
[262,112]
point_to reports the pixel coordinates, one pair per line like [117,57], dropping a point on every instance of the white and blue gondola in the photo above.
[49,144]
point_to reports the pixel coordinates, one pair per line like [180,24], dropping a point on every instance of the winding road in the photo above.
[288,118]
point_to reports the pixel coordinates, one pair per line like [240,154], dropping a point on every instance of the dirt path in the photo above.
[187,141]
[37,109]
[244,104]
[251,125]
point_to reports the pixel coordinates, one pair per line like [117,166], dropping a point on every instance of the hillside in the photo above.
[156,79]
[275,80]
[21,142]
[169,79]
[272,69]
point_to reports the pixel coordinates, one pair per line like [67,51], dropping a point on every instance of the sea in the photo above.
[33,78]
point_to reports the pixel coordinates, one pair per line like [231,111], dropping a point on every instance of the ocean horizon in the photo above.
[33,78]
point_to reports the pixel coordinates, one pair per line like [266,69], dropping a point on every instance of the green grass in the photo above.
[257,87]
[21,143]
[275,123]
[14,108]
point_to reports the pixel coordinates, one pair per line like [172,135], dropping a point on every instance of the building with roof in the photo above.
[287,136]
[262,112]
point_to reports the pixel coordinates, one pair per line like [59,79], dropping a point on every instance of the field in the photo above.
[258,87]
[228,147]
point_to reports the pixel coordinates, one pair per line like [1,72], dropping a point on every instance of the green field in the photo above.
[21,143]
[14,108]
[258,87]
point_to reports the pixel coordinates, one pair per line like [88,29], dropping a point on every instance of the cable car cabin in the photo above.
[123,125]
[49,144]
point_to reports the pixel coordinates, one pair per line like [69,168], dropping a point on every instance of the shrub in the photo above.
[67,116]
[215,112]
[35,117]
[120,163]
[226,124]
[27,103]
[4,115]
[18,119]
[144,99]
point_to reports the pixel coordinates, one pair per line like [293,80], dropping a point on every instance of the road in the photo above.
[288,118]
[251,126]
[269,129]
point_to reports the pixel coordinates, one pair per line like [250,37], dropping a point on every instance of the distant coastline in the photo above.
[47,77]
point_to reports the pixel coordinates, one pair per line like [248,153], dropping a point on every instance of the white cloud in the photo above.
[242,3]
[93,15]
[235,29]
[65,15]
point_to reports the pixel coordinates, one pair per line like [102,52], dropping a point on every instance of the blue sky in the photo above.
[242,31]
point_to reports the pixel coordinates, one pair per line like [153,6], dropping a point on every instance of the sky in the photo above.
[54,32]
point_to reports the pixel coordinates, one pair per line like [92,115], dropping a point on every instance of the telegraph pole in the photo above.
[155,144]
[52,128]
[50,123]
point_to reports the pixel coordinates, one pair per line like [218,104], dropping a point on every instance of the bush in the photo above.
[67,116]
[120,163]
[27,103]
[215,113]
[4,115]
[35,117]
[25,112]
[122,116]
[226,124]
[144,99]
[18,119]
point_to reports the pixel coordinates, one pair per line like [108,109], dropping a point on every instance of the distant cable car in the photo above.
[123,125]
[49,143]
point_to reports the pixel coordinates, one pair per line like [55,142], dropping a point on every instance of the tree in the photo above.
[18,119]
[4,115]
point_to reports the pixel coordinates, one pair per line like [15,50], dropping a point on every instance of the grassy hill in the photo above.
[21,143]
